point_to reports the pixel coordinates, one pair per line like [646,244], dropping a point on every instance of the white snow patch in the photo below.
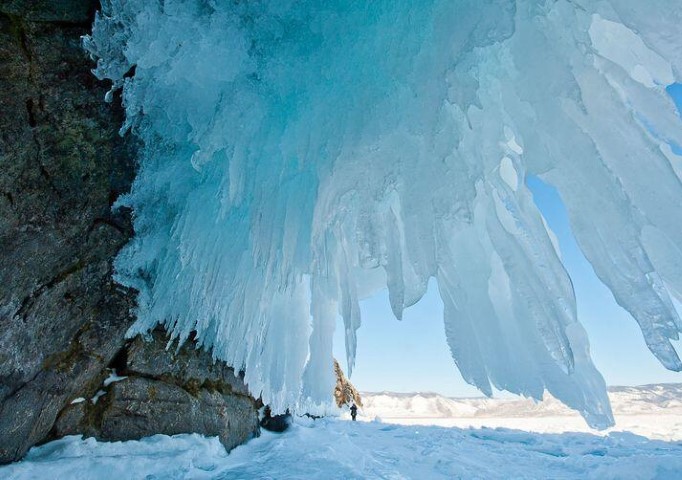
[98,395]
[112,378]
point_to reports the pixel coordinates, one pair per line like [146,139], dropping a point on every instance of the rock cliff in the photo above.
[151,389]
[62,318]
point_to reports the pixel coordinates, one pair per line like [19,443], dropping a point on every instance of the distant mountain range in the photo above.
[641,400]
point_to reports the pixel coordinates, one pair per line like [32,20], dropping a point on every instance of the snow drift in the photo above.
[302,155]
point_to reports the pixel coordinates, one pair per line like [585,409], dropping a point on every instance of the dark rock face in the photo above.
[62,162]
[66,11]
[166,393]
[277,423]
[62,318]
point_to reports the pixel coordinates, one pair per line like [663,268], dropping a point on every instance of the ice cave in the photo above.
[300,156]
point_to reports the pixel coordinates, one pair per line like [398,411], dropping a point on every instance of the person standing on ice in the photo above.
[353,411]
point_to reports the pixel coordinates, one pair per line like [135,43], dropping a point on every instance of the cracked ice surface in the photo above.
[299,156]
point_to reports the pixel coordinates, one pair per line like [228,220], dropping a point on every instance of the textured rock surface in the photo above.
[66,11]
[62,318]
[166,393]
[62,163]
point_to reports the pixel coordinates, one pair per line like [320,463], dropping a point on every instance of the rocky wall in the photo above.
[62,317]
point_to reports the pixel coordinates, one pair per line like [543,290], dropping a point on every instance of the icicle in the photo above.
[299,156]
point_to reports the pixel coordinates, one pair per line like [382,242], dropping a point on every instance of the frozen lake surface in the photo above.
[338,449]
[653,411]
[420,436]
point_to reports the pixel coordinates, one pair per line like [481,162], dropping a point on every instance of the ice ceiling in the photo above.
[301,155]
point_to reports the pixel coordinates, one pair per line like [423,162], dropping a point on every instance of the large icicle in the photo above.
[299,156]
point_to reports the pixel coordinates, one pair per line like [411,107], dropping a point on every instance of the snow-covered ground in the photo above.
[339,449]
[653,411]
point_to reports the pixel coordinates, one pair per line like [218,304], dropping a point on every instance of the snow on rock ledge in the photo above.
[166,393]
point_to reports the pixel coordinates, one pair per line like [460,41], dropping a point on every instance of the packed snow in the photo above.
[300,156]
[331,449]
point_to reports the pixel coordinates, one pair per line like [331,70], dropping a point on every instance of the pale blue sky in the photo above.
[412,355]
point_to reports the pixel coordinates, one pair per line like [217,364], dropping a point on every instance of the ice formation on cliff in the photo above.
[301,155]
